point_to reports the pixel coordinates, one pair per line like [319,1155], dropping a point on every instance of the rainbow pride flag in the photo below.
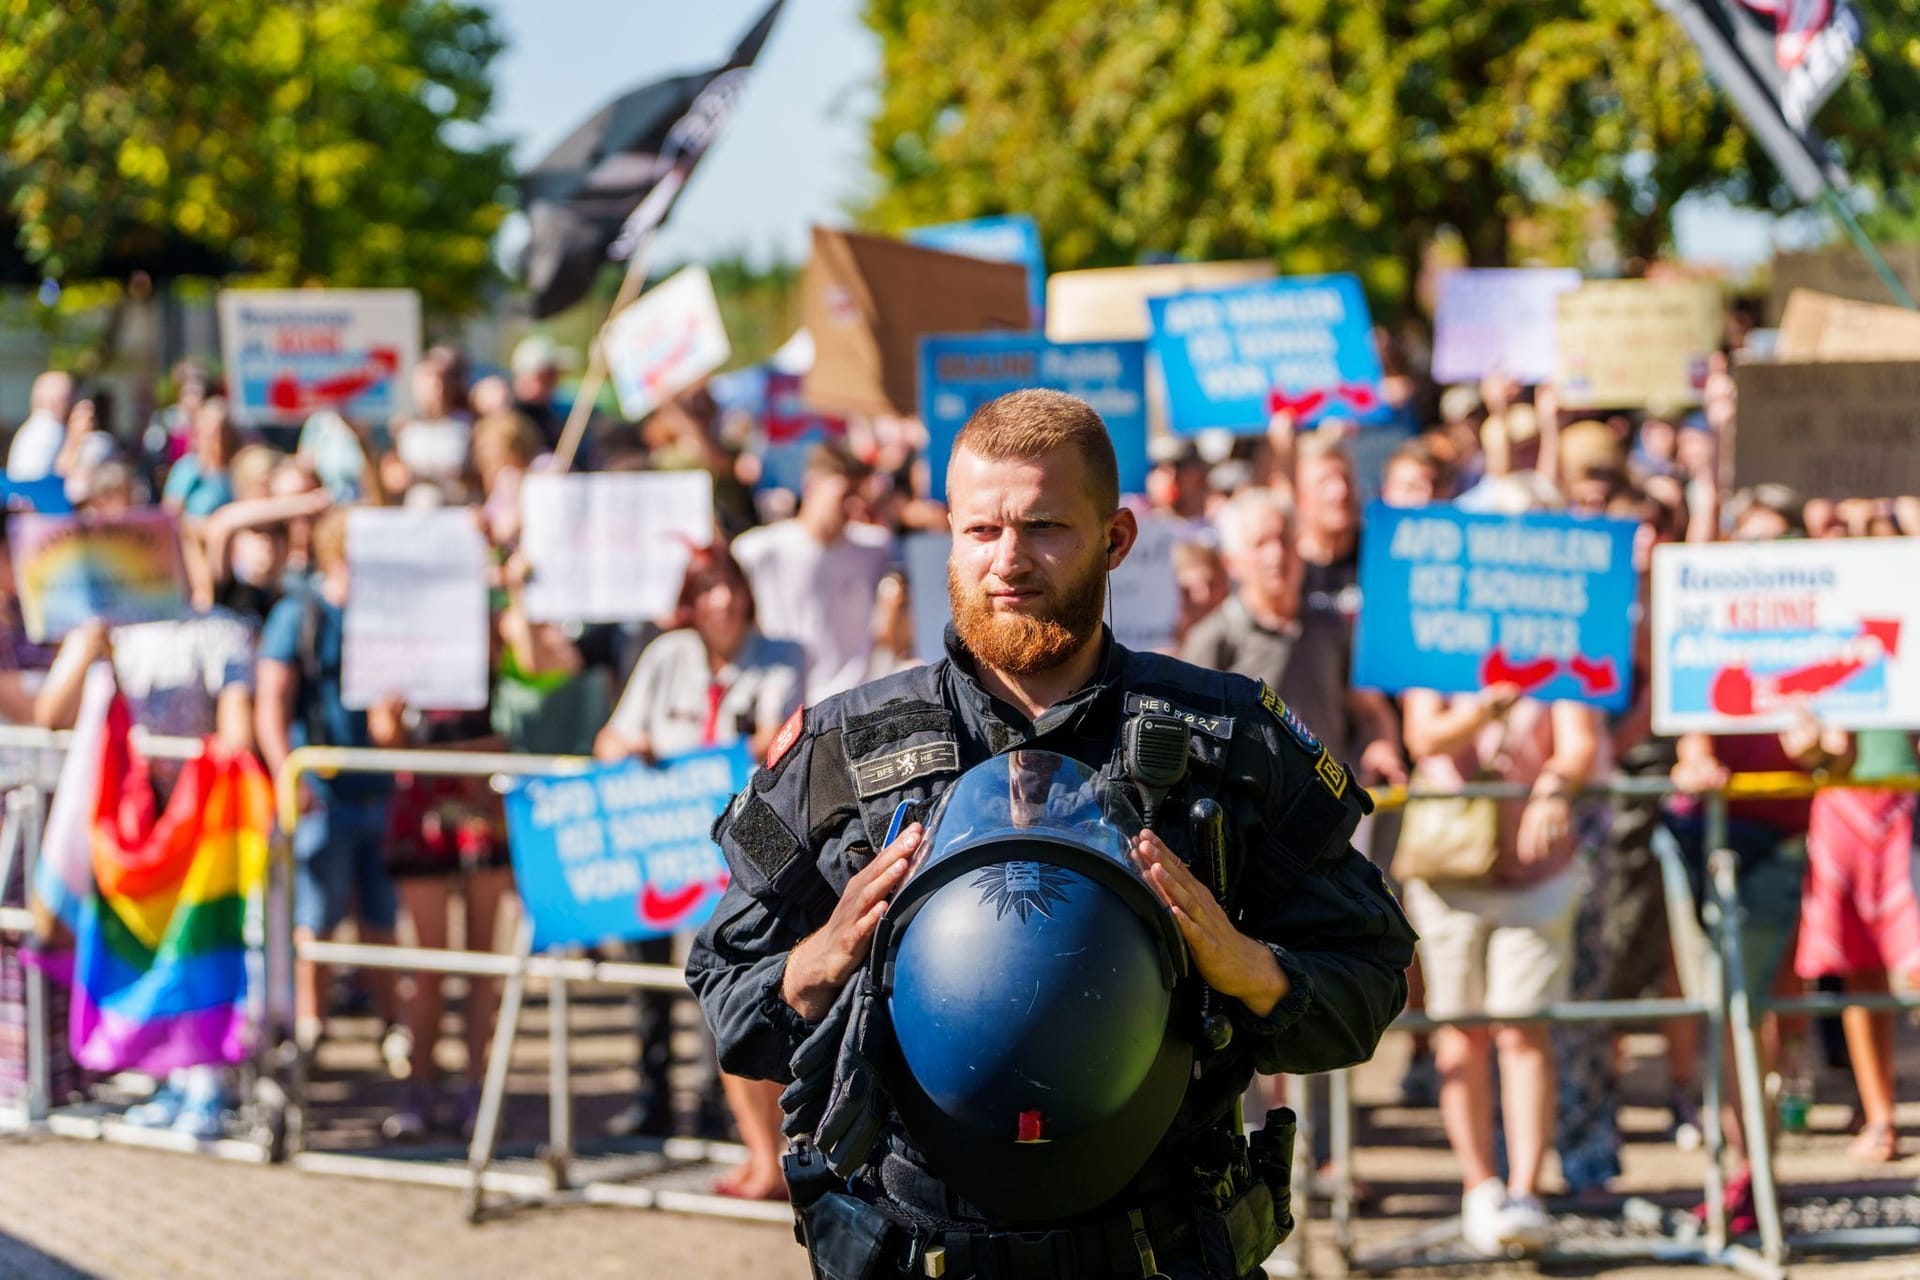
[159,960]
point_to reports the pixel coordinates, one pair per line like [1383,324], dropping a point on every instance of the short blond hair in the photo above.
[1026,425]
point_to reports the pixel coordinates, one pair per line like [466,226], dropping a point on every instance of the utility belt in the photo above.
[1234,1213]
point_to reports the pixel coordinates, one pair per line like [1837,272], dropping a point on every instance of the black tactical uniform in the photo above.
[813,818]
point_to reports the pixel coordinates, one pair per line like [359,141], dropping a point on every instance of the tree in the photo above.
[319,141]
[1328,135]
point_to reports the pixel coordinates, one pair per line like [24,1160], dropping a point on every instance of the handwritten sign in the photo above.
[1843,429]
[1745,633]
[959,373]
[622,851]
[1627,343]
[1013,237]
[1820,326]
[291,352]
[665,342]
[416,620]
[1458,601]
[611,546]
[1109,304]
[72,569]
[1500,320]
[1232,358]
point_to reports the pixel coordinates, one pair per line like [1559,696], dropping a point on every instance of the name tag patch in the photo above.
[1213,726]
[897,768]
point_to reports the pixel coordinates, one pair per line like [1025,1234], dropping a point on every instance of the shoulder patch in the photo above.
[1213,726]
[788,735]
[1295,727]
[1331,772]
[886,773]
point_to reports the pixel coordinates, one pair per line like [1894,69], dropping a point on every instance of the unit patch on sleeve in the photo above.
[1213,726]
[1332,773]
[1295,727]
[897,768]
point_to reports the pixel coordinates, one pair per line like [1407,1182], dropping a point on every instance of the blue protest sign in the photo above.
[1013,237]
[48,496]
[1498,320]
[961,372]
[1232,358]
[1457,602]
[622,851]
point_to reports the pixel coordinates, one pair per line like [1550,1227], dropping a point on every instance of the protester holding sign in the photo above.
[714,680]
[339,845]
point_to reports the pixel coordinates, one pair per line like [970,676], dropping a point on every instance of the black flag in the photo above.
[616,176]
[1779,60]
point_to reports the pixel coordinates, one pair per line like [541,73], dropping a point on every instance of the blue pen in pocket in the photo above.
[900,813]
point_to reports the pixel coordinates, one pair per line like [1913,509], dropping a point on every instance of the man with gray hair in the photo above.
[1303,654]
[37,443]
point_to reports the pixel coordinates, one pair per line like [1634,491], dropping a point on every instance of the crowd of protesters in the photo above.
[803,595]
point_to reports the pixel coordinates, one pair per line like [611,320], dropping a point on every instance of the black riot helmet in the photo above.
[1028,975]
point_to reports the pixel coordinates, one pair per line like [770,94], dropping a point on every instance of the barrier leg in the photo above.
[1746,1059]
[493,1095]
[1304,1173]
[559,1088]
[1340,1086]
[22,836]
[1713,1131]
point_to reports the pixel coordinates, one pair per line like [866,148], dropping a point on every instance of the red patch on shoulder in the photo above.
[788,735]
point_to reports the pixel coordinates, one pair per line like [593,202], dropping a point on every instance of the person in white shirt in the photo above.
[815,576]
[38,441]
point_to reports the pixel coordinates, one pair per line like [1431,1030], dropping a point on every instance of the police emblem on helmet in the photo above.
[1023,888]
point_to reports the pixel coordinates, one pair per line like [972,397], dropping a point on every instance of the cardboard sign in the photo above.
[1109,304]
[1628,343]
[1819,326]
[1457,602]
[1495,320]
[1744,633]
[1842,272]
[1146,597]
[72,569]
[611,546]
[622,851]
[958,374]
[1232,358]
[1014,237]
[292,352]
[417,623]
[1837,430]
[868,301]
[668,340]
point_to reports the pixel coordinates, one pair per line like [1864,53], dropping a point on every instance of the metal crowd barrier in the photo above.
[1729,1011]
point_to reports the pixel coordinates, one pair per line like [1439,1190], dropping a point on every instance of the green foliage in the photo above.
[317,141]
[1331,135]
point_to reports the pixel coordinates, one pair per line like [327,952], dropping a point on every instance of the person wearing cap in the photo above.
[1178,487]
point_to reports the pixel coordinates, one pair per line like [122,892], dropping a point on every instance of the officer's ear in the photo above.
[1122,532]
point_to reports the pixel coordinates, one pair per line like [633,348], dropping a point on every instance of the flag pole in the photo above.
[596,374]
[1837,205]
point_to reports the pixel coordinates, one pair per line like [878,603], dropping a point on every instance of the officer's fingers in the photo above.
[877,882]
[889,860]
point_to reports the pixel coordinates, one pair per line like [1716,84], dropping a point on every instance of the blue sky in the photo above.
[795,153]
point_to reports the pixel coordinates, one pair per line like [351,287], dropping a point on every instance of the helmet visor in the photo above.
[1036,796]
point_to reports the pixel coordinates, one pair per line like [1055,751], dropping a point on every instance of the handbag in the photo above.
[1447,839]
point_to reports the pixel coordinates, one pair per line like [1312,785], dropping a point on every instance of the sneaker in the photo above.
[396,1050]
[160,1110]
[1420,1086]
[410,1118]
[201,1119]
[1738,1200]
[1687,1133]
[1524,1224]
[1480,1210]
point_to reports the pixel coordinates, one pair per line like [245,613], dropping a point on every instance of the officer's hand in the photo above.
[1229,961]
[823,961]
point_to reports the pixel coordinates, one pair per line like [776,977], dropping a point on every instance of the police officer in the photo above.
[1297,940]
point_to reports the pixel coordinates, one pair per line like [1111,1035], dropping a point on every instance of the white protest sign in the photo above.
[665,342]
[611,546]
[417,619]
[292,352]
[1746,633]
[1146,598]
